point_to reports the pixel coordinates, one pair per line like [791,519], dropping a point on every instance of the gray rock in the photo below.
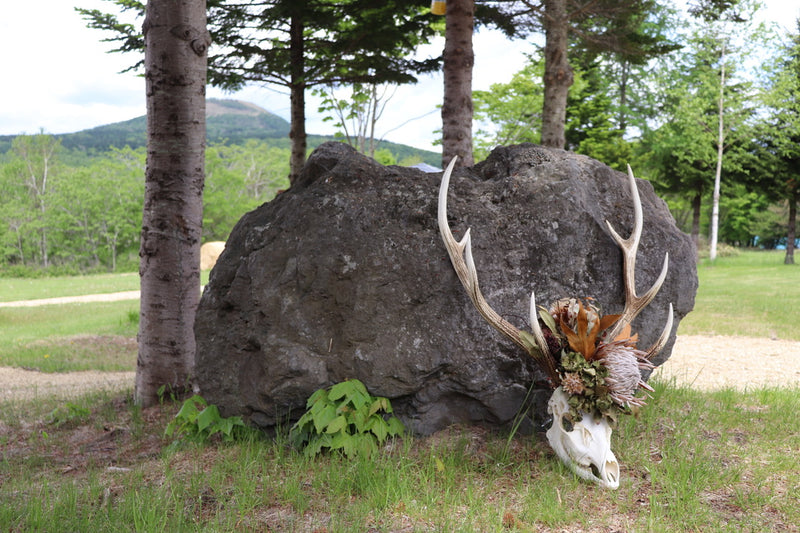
[345,276]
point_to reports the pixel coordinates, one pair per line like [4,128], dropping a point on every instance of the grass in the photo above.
[14,289]
[752,294]
[70,337]
[60,338]
[722,461]
[691,461]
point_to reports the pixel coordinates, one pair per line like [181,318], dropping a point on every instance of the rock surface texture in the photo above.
[345,276]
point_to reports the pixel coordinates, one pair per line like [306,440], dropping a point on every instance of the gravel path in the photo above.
[19,384]
[713,362]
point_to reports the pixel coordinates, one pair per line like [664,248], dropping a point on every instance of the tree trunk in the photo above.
[791,233]
[712,249]
[457,102]
[557,74]
[176,47]
[697,202]
[297,127]
[622,83]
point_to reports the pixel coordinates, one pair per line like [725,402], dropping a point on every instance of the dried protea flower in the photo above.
[624,362]
[572,383]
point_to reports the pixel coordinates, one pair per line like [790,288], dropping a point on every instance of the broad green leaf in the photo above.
[396,427]
[320,404]
[341,390]
[359,401]
[208,417]
[360,420]
[338,424]
[339,441]
[379,404]
[318,397]
[189,410]
[379,427]
[324,418]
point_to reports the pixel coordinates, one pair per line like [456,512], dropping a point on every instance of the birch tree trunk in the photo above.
[558,76]
[459,59]
[712,251]
[176,48]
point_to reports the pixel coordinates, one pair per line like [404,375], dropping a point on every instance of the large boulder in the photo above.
[345,276]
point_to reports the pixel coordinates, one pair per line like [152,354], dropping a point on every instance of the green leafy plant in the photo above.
[69,412]
[199,422]
[345,417]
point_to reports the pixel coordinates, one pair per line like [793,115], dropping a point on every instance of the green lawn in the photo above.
[60,338]
[14,289]
[753,294]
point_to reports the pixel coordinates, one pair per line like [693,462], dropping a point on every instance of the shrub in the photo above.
[345,417]
[68,413]
[199,422]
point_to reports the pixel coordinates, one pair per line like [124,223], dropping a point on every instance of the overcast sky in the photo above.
[58,77]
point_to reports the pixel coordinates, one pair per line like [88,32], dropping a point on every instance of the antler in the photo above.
[464,265]
[634,304]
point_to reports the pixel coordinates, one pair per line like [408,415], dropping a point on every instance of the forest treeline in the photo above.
[65,211]
[708,112]
[72,203]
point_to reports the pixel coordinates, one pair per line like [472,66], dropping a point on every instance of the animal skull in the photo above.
[584,446]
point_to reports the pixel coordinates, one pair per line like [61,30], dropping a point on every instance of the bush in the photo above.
[199,422]
[345,417]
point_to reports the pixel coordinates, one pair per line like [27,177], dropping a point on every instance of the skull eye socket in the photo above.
[566,424]
[595,470]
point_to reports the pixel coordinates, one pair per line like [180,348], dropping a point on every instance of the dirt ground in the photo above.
[703,362]
[19,384]
[712,362]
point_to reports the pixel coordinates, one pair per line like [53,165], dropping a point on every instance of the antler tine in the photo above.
[464,265]
[634,304]
[662,339]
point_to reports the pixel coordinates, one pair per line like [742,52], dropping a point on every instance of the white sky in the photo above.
[56,76]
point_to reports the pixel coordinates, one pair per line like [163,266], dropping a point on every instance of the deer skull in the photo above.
[584,446]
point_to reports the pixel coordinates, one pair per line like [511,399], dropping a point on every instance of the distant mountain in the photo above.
[227,121]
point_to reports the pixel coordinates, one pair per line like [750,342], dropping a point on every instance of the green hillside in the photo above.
[227,121]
